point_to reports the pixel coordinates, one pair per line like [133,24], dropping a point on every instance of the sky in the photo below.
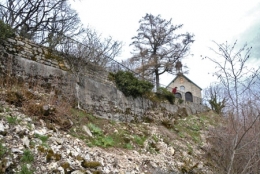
[208,20]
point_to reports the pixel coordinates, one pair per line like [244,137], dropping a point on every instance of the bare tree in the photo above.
[158,46]
[44,21]
[95,49]
[64,23]
[233,72]
[236,142]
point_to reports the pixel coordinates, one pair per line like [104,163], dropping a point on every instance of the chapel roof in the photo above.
[181,74]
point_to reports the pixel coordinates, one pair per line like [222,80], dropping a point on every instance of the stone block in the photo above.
[20,43]
[11,40]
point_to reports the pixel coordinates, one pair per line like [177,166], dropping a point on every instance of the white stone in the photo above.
[77,172]
[11,40]
[26,141]
[32,126]
[38,57]
[106,170]
[61,170]
[15,150]
[171,151]
[86,129]
[18,129]
[57,140]
[42,123]
[40,132]
[2,128]
[74,153]
[52,166]
[20,43]
[87,157]
[28,46]
[40,50]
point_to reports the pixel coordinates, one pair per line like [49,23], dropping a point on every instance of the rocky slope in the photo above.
[28,146]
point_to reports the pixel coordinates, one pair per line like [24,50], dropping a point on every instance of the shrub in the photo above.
[130,85]
[215,105]
[6,31]
[180,101]
[163,93]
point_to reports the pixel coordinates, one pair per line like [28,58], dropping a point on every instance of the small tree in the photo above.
[158,46]
[236,144]
[216,97]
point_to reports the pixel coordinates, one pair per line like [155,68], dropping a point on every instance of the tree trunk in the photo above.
[157,80]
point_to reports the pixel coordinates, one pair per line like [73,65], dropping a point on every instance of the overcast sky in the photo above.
[208,20]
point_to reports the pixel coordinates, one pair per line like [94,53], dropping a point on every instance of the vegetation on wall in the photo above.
[6,31]
[163,93]
[130,85]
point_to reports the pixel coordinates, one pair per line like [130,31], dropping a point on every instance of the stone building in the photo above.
[186,89]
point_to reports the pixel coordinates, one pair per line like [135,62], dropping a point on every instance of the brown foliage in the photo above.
[238,139]
[39,105]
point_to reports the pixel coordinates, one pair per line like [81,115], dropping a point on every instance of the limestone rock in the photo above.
[26,141]
[77,172]
[2,128]
[171,151]
[86,129]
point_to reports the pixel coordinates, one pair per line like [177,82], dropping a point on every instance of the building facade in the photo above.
[186,89]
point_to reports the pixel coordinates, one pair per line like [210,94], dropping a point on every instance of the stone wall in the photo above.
[25,48]
[95,93]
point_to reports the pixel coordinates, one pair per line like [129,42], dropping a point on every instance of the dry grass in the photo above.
[36,103]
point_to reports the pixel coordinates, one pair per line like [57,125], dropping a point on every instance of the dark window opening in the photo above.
[188,96]
[178,95]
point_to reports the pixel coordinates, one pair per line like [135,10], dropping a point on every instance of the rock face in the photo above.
[58,152]
[36,65]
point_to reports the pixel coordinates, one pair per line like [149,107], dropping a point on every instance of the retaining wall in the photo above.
[36,64]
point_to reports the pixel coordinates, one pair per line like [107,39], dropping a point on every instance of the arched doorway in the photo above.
[188,96]
[177,95]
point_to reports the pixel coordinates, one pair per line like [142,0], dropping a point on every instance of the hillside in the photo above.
[41,133]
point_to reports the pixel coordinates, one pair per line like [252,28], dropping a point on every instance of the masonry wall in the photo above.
[39,66]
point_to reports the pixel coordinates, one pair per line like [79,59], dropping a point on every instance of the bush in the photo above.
[6,31]
[130,85]
[163,93]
